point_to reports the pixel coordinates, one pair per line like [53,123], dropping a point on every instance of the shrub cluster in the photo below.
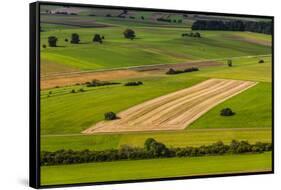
[137,83]
[129,34]
[52,40]
[110,116]
[98,38]
[192,34]
[152,149]
[226,112]
[261,61]
[172,71]
[95,83]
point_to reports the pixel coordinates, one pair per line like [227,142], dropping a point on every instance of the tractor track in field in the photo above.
[174,111]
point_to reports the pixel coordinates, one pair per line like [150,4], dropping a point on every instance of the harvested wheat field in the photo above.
[174,111]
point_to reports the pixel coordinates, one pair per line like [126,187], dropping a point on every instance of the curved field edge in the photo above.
[253,108]
[155,168]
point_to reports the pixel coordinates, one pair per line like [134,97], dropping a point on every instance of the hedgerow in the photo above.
[152,149]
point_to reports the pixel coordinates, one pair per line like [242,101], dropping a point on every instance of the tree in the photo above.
[142,17]
[66,40]
[44,46]
[226,112]
[129,34]
[148,142]
[197,34]
[157,149]
[261,61]
[75,38]
[229,62]
[97,38]
[110,116]
[52,40]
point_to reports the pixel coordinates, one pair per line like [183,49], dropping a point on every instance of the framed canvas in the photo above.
[123,94]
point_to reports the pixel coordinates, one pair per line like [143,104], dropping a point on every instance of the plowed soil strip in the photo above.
[173,111]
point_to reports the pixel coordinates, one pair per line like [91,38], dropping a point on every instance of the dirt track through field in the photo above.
[174,111]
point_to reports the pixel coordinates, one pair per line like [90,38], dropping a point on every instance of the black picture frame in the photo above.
[34,94]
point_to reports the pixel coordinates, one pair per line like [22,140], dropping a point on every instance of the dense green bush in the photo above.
[192,34]
[261,61]
[97,38]
[110,116]
[95,83]
[52,40]
[172,71]
[129,34]
[226,112]
[152,149]
[137,83]
[75,39]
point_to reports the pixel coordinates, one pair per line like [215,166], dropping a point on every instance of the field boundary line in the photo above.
[153,65]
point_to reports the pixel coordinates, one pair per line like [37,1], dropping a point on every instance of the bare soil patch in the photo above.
[174,111]
[52,79]
[74,78]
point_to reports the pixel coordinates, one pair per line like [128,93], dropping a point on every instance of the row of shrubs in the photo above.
[137,83]
[95,83]
[192,34]
[152,149]
[172,71]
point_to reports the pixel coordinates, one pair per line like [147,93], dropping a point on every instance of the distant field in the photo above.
[159,43]
[156,168]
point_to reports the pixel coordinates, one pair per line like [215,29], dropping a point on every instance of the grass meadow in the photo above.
[156,168]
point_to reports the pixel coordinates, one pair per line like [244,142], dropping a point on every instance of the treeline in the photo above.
[172,71]
[95,83]
[236,25]
[152,149]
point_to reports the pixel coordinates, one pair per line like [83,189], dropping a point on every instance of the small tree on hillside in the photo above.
[97,38]
[129,34]
[229,62]
[226,112]
[110,116]
[52,40]
[197,34]
[75,38]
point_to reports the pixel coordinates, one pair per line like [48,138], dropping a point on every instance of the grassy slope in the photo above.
[256,113]
[252,107]
[159,43]
[157,168]
[191,137]
[71,113]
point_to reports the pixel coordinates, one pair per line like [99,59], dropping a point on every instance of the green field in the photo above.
[156,168]
[190,137]
[165,45]
[64,115]
[59,127]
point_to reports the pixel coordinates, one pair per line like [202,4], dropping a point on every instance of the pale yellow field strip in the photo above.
[174,111]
